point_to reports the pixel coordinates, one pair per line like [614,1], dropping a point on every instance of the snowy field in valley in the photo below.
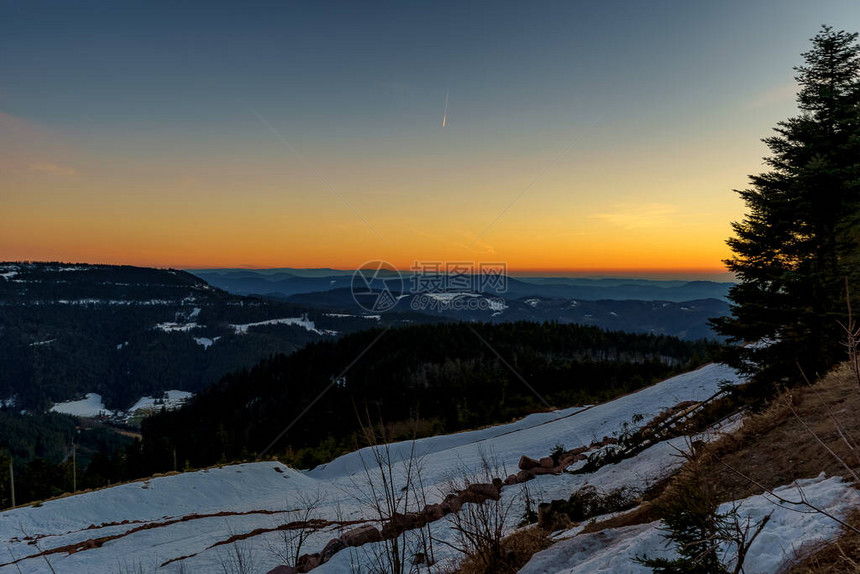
[188,515]
[170,400]
[93,406]
[90,406]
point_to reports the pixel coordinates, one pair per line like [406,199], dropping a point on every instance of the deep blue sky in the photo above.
[118,64]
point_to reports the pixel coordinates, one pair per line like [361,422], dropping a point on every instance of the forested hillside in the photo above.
[447,377]
[125,332]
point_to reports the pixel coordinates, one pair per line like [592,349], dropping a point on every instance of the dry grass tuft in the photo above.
[841,556]
[776,447]
[519,547]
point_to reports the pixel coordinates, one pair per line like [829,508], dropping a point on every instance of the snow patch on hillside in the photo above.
[205,342]
[297,321]
[93,302]
[347,315]
[91,406]
[171,327]
[170,400]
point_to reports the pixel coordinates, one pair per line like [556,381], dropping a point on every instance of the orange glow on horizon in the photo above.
[583,216]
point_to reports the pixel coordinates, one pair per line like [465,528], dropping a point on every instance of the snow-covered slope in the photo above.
[789,530]
[536,435]
[184,515]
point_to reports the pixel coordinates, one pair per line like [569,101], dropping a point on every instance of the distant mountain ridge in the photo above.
[686,319]
[286,282]
[673,307]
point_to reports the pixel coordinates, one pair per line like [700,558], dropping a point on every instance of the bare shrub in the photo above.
[297,526]
[484,518]
[391,487]
[237,558]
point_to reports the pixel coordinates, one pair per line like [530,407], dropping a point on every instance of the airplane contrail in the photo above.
[445,114]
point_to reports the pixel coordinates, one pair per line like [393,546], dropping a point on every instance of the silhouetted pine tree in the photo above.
[798,240]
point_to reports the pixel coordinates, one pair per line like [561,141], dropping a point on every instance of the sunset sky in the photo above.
[600,137]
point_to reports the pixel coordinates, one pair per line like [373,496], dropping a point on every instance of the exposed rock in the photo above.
[451,504]
[282,570]
[512,479]
[401,523]
[485,489]
[479,492]
[433,512]
[566,460]
[524,475]
[334,546]
[362,535]
[469,497]
[307,562]
[547,462]
[527,463]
